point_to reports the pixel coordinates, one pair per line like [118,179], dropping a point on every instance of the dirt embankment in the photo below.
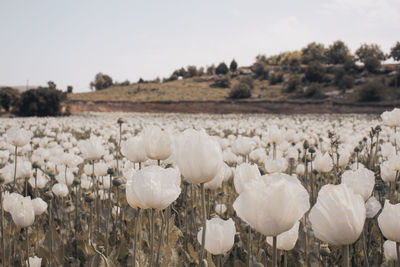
[226,107]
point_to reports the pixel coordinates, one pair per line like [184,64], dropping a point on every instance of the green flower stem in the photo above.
[346,256]
[274,252]
[204,216]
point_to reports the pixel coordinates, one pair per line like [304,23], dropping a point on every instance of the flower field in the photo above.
[200,190]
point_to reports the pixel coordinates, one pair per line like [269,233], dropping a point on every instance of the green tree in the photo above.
[191,72]
[222,68]
[70,88]
[371,56]
[233,66]
[101,81]
[337,53]
[41,102]
[313,52]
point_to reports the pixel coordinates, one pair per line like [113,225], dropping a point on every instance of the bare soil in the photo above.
[227,107]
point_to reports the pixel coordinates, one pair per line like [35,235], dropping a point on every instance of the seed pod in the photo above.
[121,121]
[48,195]
[324,250]
[117,182]
[89,198]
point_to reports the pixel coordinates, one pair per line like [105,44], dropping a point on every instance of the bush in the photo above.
[8,98]
[292,84]
[101,81]
[315,72]
[371,92]
[275,78]
[313,91]
[247,80]
[70,88]
[222,82]
[240,90]
[260,70]
[342,80]
[221,69]
[41,102]
[395,81]
[191,72]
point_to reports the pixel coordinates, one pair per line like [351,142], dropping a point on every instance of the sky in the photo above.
[68,42]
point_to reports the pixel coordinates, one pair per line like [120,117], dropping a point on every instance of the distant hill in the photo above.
[344,87]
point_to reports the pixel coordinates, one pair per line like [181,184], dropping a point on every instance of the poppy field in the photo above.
[200,190]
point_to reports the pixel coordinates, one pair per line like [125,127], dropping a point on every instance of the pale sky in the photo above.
[68,42]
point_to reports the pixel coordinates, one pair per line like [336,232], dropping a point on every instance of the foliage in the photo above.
[51,85]
[247,80]
[70,88]
[337,53]
[222,82]
[313,91]
[101,81]
[395,52]
[222,68]
[191,72]
[41,102]
[315,72]
[275,78]
[292,84]
[8,97]
[240,90]
[210,70]
[395,80]
[371,92]
[260,69]
[343,80]
[371,56]
[233,66]
[313,52]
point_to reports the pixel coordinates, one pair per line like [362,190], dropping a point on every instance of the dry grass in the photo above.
[183,90]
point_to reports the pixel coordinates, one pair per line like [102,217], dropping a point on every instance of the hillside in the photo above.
[202,89]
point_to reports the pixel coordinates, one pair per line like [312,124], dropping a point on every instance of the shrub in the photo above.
[260,70]
[8,98]
[275,78]
[191,72]
[222,82]
[342,80]
[313,91]
[221,69]
[395,80]
[240,90]
[247,80]
[101,81]
[292,84]
[70,88]
[40,102]
[371,92]
[315,72]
